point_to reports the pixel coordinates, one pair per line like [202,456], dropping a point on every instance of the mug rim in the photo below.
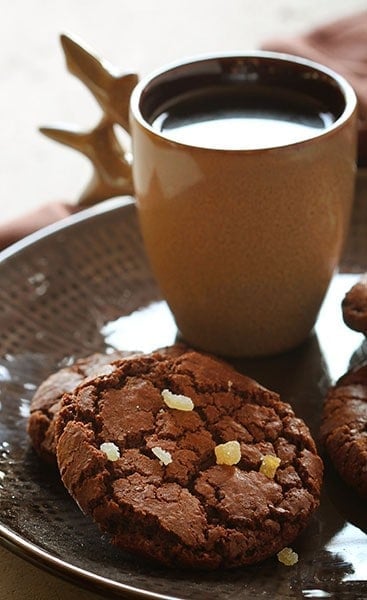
[348,93]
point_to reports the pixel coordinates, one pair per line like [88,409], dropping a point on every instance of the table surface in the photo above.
[137,35]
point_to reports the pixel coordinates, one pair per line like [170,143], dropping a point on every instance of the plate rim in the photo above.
[11,540]
[29,550]
[90,213]
[44,560]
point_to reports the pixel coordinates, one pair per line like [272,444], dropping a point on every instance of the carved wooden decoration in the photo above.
[110,161]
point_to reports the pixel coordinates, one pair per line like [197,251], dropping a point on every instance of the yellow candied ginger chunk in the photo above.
[269,465]
[177,401]
[228,453]
[110,450]
[163,455]
[288,557]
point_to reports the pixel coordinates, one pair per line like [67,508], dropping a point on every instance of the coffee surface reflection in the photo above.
[244,118]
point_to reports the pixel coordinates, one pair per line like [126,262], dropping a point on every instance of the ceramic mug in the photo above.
[244,227]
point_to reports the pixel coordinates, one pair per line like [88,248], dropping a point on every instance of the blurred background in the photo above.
[138,35]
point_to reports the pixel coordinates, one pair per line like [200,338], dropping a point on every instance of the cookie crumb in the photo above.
[228,453]
[269,465]
[288,557]
[177,401]
[229,385]
[111,450]
[164,456]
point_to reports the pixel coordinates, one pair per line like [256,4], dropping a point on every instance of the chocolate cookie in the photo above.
[184,460]
[354,307]
[344,428]
[47,399]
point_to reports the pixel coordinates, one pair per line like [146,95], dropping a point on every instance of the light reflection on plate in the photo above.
[349,544]
[332,331]
[130,332]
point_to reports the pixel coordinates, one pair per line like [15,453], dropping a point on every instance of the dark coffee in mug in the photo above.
[239,117]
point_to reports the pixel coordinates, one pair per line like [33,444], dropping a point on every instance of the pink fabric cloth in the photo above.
[342,46]
[45,215]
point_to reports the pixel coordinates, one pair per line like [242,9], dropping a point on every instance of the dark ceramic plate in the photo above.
[83,286]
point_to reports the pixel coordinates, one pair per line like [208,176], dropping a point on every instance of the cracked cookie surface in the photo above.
[344,428]
[46,401]
[188,510]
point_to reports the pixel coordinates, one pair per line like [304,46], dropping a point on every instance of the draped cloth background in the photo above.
[340,45]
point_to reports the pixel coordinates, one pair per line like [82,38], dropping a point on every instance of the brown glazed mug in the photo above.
[244,227]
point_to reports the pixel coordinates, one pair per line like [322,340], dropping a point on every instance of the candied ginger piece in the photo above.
[164,456]
[269,465]
[228,453]
[177,401]
[111,450]
[288,557]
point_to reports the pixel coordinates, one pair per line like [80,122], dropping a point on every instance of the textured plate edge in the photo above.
[95,583]
[9,539]
[90,213]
